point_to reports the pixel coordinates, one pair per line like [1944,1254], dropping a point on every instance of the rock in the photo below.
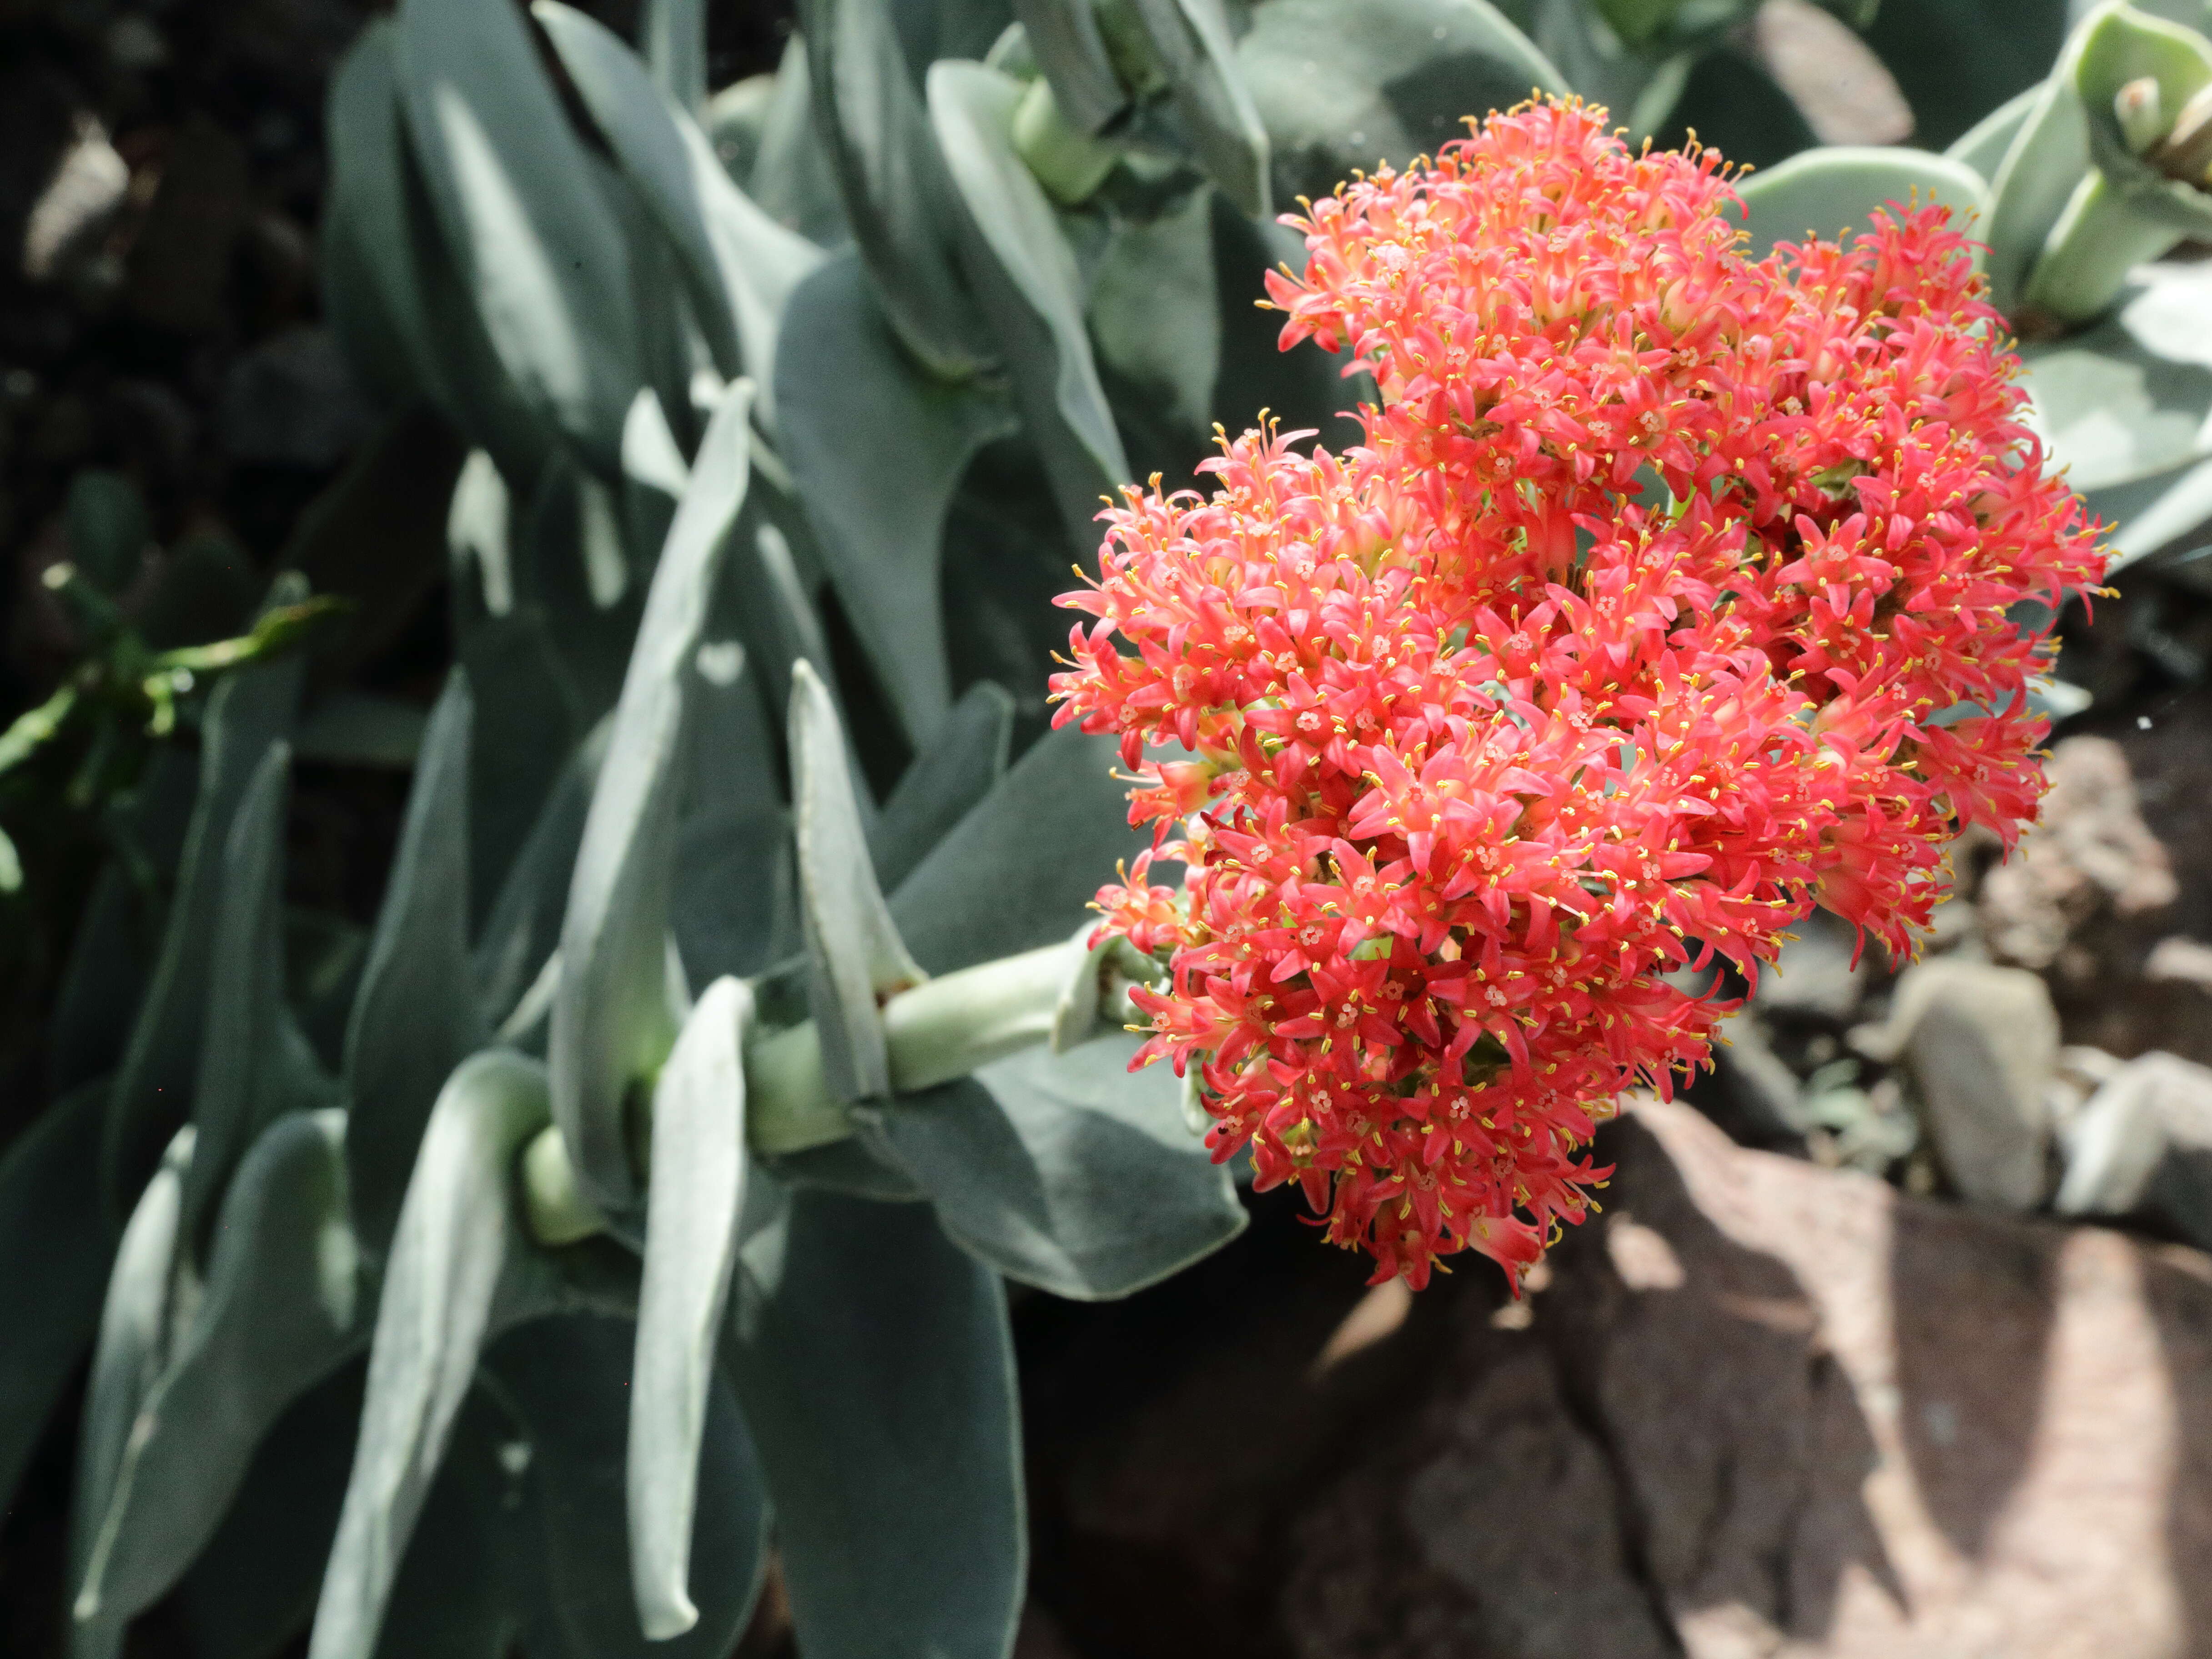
[2089,858]
[1767,1409]
[2141,1148]
[73,215]
[1980,1043]
[1821,972]
[291,401]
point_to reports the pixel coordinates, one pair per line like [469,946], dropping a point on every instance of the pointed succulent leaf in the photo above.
[896,194]
[126,1364]
[2130,398]
[739,266]
[1021,868]
[1339,86]
[877,449]
[1198,49]
[538,251]
[610,1021]
[691,1251]
[2148,515]
[561,1376]
[416,1017]
[963,762]
[252,1589]
[1068,1171]
[1835,190]
[674,38]
[54,1255]
[791,176]
[369,271]
[1983,146]
[874,1365]
[249,711]
[109,960]
[524,930]
[458,1595]
[855,953]
[456,1231]
[1070,50]
[1022,262]
[522,733]
[277,1311]
[253,1066]
[1156,316]
[2046,162]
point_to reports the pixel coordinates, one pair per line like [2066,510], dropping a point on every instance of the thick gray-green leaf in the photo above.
[1983,146]
[610,1019]
[537,249]
[897,196]
[250,710]
[254,1064]
[126,1364]
[698,1188]
[1019,870]
[1340,84]
[523,731]
[1025,260]
[740,266]
[1155,319]
[877,449]
[457,1230]
[2150,515]
[674,40]
[2047,158]
[1065,36]
[855,953]
[1068,1171]
[457,1594]
[2130,398]
[964,759]
[54,1255]
[396,297]
[277,1311]
[105,521]
[876,1370]
[253,1588]
[110,960]
[525,926]
[1195,42]
[791,175]
[416,1017]
[565,1380]
[368,264]
[1836,189]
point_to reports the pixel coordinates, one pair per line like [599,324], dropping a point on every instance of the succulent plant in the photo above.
[645,1187]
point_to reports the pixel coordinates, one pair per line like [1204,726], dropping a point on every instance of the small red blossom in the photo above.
[1668,595]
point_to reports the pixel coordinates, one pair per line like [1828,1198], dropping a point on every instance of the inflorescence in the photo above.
[1669,594]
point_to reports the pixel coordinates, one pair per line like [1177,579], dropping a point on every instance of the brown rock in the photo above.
[2089,858]
[1770,1409]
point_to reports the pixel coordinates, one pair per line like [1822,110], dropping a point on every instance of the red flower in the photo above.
[1668,595]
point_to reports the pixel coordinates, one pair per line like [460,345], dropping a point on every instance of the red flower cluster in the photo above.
[1670,595]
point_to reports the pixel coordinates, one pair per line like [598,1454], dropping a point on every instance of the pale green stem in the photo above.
[1068,162]
[940,1029]
[2097,241]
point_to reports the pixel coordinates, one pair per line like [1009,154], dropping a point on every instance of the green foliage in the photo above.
[720,1046]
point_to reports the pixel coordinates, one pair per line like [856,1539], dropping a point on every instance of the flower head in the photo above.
[1667,595]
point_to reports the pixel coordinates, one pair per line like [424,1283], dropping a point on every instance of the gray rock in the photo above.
[74,213]
[2141,1148]
[1815,973]
[1980,1043]
[292,402]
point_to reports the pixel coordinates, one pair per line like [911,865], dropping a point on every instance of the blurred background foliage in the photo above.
[433,437]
